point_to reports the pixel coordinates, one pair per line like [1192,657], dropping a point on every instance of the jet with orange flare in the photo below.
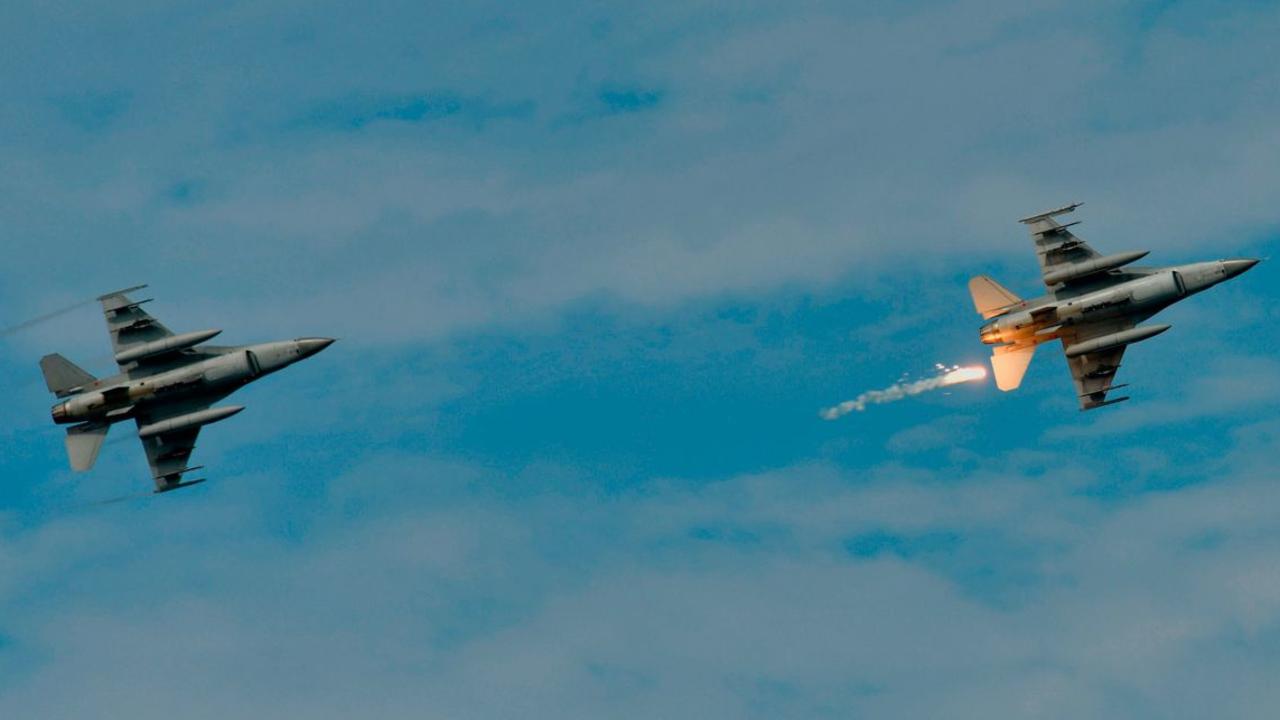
[1094,306]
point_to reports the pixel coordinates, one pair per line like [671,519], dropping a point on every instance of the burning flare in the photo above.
[953,375]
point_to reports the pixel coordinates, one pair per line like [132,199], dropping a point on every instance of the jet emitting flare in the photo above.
[953,375]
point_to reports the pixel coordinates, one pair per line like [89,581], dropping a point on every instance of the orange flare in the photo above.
[964,374]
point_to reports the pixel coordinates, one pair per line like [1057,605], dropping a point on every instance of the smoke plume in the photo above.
[946,376]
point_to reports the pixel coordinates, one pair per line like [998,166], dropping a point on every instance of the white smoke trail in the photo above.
[946,376]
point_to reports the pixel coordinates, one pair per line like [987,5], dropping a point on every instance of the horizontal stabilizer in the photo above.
[1009,364]
[990,298]
[83,443]
[62,376]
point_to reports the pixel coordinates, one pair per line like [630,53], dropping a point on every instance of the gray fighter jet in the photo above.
[1094,306]
[167,385]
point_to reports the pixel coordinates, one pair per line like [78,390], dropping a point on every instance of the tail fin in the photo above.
[83,443]
[1009,364]
[990,297]
[62,376]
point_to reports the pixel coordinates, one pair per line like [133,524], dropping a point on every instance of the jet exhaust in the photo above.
[947,376]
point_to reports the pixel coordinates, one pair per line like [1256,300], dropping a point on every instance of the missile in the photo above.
[1051,213]
[164,345]
[1071,271]
[177,486]
[190,420]
[1114,340]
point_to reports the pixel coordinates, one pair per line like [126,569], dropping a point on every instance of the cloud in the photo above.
[743,153]
[402,176]
[1225,387]
[425,587]
[359,113]
[944,432]
[629,100]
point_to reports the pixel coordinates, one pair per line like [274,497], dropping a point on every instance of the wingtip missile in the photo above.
[178,486]
[1051,213]
[1104,403]
[179,473]
[115,293]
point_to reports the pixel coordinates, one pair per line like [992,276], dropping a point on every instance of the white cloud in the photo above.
[1229,386]
[424,587]
[783,153]
[784,150]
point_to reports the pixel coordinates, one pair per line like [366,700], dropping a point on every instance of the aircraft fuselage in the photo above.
[1042,319]
[119,398]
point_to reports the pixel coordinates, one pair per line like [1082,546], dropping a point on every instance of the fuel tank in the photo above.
[1074,271]
[1114,340]
[165,345]
[188,421]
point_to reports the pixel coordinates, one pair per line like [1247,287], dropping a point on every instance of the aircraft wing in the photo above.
[1094,373]
[128,324]
[130,327]
[1056,245]
[169,453]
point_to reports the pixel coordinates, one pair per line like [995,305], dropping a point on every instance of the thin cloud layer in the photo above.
[745,598]
[593,268]
[470,173]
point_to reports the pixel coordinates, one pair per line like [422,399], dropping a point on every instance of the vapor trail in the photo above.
[899,390]
[43,318]
[110,501]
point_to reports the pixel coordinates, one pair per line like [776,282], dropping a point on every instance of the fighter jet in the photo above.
[1093,306]
[167,385]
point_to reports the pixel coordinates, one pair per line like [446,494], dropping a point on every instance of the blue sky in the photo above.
[595,267]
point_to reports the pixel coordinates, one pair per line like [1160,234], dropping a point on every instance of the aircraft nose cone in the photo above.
[311,346]
[1235,267]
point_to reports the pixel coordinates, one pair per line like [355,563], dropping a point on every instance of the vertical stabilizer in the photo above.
[990,298]
[62,376]
[83,443]
[1009,364]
